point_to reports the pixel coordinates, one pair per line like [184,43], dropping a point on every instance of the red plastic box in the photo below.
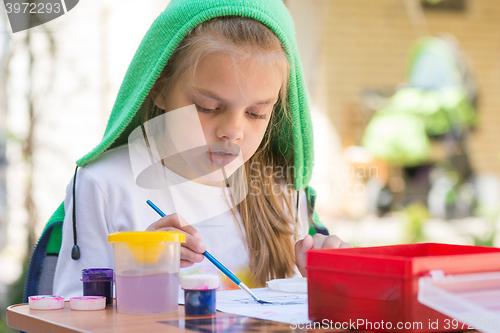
[375,288]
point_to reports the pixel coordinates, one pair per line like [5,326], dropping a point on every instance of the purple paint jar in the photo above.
[199,294]
[98,282]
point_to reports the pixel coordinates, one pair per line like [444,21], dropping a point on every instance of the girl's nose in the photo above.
[230,127]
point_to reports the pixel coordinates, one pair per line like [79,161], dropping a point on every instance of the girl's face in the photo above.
[234,101]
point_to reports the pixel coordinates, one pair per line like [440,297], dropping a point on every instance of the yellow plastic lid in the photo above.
[146,237]
[146,246]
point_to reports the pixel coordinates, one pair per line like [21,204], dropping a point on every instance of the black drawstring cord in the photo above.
[297,209]
[75,251]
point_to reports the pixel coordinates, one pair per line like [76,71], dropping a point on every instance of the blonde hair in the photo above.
[266,215]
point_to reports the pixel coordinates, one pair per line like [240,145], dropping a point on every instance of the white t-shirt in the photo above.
[108,200]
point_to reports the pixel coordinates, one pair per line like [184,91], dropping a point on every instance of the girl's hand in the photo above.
[317,242]
[192,250]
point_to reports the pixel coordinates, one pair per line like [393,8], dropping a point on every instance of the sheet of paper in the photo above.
[286,307]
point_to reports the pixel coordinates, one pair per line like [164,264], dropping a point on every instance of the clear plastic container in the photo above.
[147,271]
[471,300]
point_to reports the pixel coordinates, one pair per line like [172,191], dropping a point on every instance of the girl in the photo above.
[234,65]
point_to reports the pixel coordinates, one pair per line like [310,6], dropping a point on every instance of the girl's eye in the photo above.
[257,116]
[251,114]
[204,110]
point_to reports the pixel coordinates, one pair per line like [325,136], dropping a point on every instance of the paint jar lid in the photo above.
[97,275]
[200,282]
[46,302]
[87,303]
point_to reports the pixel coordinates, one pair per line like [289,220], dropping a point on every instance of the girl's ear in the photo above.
[157,97]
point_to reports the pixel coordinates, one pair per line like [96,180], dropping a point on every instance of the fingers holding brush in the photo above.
[192,250]
[175,221]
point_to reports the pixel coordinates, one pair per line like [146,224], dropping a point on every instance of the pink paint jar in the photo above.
[46,302]
[88,303]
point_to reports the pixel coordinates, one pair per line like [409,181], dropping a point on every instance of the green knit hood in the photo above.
[162,38]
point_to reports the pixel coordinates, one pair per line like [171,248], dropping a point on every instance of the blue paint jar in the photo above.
[199,294]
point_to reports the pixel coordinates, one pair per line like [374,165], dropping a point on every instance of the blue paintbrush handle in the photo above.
[222,268]
[214,261]
[162,214]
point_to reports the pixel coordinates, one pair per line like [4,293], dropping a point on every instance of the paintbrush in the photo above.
[217,264]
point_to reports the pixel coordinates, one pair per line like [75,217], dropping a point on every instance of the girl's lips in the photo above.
[218,158]
[222,153]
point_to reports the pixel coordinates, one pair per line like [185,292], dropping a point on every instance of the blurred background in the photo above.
[404,98]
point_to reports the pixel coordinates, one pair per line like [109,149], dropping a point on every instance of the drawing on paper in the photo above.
[276,300]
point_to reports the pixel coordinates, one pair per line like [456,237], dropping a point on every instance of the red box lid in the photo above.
[408,260]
